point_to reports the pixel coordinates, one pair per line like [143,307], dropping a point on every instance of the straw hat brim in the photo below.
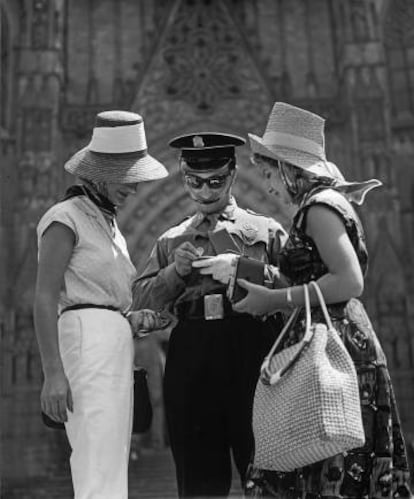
[295,157]
[120,168]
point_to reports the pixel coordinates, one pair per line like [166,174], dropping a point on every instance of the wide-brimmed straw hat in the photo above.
[117,151]
[293,135]
[296,136]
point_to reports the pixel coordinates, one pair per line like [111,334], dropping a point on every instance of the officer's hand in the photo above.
[56,396]
[258,301]
[220,267]
[184,255]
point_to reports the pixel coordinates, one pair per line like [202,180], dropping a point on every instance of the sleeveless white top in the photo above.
[100,271]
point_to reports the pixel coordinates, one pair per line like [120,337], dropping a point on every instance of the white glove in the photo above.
[220,267]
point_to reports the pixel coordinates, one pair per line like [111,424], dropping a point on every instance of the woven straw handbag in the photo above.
[306,405]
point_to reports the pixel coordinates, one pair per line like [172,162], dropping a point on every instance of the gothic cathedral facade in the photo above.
[190,65]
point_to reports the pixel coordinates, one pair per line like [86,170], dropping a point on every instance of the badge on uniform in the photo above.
[213,307]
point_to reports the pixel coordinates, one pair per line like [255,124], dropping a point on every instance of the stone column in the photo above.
[37,182]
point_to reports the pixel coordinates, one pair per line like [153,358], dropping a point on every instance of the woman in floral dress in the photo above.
[327,245]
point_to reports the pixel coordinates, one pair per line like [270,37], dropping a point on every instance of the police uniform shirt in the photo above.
[258,236]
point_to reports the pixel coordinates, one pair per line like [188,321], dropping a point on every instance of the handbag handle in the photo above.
[322,303]
[271,378]
[265,375]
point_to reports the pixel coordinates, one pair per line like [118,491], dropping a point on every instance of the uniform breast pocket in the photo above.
[249,234]
[252,246]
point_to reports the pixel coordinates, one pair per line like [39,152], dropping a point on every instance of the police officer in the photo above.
[214,353]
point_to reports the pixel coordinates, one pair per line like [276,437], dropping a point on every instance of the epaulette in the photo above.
[173,230]
[181,221]
[251,212]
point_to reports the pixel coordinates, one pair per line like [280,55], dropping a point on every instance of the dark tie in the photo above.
[208,223]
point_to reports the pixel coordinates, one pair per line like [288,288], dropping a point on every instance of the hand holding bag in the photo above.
[307,406]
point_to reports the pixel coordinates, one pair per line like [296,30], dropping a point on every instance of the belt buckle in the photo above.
[213,307]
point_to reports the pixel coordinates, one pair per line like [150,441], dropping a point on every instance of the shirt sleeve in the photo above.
[159,285]
[60,214]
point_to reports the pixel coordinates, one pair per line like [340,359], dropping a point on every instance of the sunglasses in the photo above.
[212,182]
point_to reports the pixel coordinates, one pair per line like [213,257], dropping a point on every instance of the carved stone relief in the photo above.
[202,41]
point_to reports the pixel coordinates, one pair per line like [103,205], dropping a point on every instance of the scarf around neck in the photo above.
[102,202]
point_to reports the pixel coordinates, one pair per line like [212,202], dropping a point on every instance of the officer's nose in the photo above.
[205,191]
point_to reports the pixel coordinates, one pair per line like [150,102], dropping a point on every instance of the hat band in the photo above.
[120,139]
[121,155]
[279,139]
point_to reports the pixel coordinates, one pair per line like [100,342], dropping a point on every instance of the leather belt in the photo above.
[79,306]
[195,309]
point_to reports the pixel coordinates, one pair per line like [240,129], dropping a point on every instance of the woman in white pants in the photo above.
[84,278]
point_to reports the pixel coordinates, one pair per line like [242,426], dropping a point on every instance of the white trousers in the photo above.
[97,352]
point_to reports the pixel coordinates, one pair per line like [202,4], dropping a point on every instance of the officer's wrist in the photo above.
[183,277]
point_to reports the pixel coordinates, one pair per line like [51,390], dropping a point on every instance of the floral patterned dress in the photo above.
[379,469]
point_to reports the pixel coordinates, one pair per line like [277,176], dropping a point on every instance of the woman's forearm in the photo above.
[335,289]
[45,320]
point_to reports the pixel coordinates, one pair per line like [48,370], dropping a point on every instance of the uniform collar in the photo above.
[228,213]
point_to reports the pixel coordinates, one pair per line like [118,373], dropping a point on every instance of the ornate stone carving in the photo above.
[209,74]
[203,69]
[40,25]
